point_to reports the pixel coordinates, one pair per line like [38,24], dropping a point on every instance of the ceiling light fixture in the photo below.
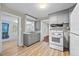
[43,5]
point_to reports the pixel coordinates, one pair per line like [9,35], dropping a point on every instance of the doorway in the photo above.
[45,30]
[11,33]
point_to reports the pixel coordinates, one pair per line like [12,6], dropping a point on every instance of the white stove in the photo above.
[56,39]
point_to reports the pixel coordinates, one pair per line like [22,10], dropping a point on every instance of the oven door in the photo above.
[57,38]
[56,41]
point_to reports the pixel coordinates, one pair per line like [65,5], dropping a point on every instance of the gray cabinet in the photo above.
[53,20]
[63,18]
[59,18]
[66,17]
[29,39]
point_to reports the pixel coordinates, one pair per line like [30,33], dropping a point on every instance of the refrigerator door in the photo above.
[74,20]
[0,34]
[74,44]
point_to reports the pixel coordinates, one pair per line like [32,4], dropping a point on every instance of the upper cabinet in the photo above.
[59,18]
[66,18]
[53,20]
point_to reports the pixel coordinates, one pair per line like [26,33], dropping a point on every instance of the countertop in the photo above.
[31,32]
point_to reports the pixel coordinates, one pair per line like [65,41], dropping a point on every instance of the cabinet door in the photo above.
[66,18]
[60,19]
[63,18]
[53,20]
[74,45]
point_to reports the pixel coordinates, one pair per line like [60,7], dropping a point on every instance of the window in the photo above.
[29,26]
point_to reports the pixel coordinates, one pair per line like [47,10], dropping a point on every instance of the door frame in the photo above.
[19,41]
[44,22]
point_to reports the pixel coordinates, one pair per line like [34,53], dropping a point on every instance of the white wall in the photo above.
[44,29]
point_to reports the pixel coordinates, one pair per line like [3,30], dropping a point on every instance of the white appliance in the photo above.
[56,40]
[74,32]
[56,36]
[0,34]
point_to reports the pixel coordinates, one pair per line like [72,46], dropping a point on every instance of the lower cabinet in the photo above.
[29,39]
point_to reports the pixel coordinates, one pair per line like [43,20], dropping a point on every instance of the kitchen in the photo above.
[58,29]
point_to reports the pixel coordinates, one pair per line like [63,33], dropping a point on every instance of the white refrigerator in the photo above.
[0,34]
[74,31]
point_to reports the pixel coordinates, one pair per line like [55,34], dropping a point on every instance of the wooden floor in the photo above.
[37,49]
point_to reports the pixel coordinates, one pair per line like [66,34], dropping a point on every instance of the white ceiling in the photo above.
[34,10]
